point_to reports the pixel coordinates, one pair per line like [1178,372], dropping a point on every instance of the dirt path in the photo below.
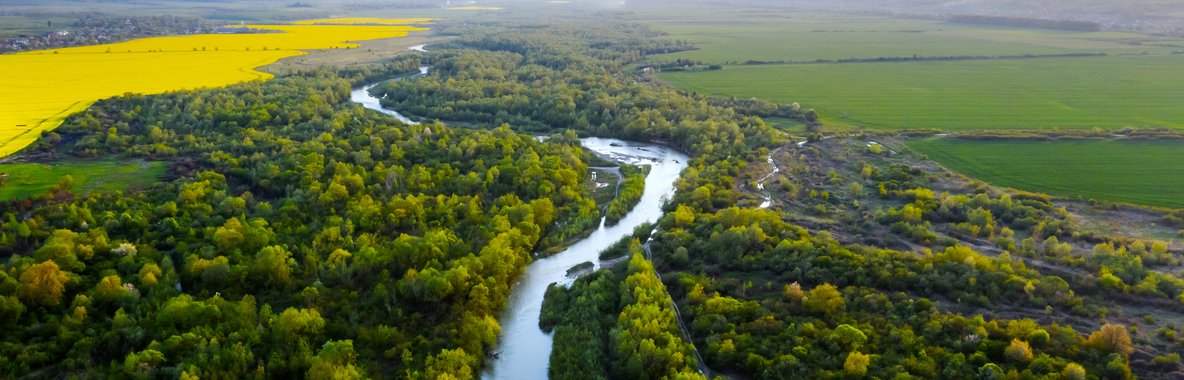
[615,170]
[682,326]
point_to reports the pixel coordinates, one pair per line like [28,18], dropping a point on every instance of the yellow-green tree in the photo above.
[856,364]
[1112,337]
[1073,371]
[1018,351]
[43,284]
[824,299]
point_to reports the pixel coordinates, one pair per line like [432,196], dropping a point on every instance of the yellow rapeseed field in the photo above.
[39,89]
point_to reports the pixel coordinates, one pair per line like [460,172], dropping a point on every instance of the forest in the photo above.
[298,235]
[827,310]
[628,194]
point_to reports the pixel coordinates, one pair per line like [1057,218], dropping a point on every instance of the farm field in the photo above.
[29,180]
[1146,172]
[1079,93]
[53,84]
[13,26]
[1138,83]
[776,37]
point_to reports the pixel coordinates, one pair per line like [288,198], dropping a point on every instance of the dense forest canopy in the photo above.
[300,235]
[300,231]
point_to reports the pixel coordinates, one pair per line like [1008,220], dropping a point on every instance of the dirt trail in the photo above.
[682,326]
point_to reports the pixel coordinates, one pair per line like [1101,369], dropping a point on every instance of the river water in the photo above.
[524,350]
[362,96]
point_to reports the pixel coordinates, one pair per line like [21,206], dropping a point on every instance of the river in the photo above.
[760,184]
[362,96]
[524,350]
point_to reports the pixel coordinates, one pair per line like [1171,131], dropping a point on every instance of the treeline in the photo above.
[362,75]
[298,235]
[617,324]
[629,193]
[916,58]
[96,28]
[760,107]
[399,4]
[682,65]
[564,76]
[541,77]
[1023,22]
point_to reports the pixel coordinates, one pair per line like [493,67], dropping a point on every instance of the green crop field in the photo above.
[16,26]
[1079,93]
[1139,83]
[1145,172]
[29,180]
[742,37]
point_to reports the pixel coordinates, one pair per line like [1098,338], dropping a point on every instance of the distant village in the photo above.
[92,29]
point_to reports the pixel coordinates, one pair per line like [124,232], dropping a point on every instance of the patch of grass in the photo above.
[602,184]
[1144,172]
[1078,93]
[30,180]
[791,125]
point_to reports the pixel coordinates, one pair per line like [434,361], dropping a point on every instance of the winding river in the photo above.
[362,96]
[524,350]
[760,185]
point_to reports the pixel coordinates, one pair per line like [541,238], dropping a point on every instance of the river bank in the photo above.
[524,349]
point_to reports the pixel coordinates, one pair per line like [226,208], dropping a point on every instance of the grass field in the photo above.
[1138,84]
[1144,172]
[1107,92]
[43,87]
[740,37]
[791,125]
[29,180]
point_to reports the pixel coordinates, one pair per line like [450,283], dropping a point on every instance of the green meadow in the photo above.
[1076,93]
[30,180]
[740,37]
[1136,171]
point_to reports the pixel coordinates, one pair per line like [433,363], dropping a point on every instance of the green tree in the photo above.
[449,365]
[850,337]
[11,310]
[336,361]
[297,324]
[273,266]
